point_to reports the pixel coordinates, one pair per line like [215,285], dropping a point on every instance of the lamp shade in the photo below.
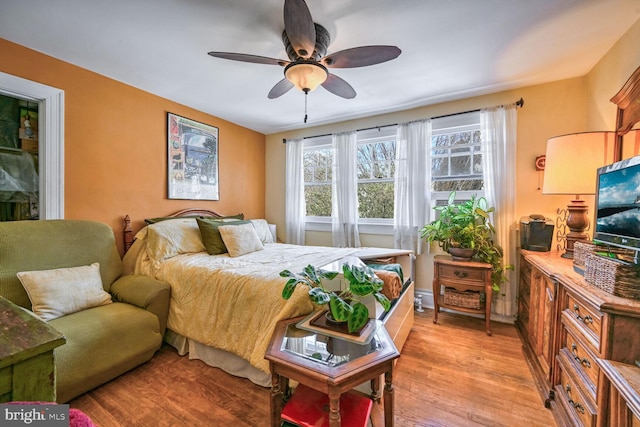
[572,161]
[306,76]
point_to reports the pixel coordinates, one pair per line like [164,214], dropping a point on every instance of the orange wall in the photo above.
[116,152]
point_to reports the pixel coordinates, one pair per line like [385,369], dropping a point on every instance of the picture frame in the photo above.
[192,159]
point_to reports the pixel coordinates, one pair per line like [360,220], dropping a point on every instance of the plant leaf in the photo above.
[383,300]
[359,317]
[340,309]
[289,288]
[319,296]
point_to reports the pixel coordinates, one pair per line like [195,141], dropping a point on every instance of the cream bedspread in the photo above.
[234,303]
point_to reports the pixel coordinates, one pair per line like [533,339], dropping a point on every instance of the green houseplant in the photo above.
[344,305]
[466,225]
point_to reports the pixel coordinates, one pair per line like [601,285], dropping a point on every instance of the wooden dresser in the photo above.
[27,371]
[567,325]
[622,382]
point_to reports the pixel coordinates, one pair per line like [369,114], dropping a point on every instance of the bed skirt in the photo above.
[228,362]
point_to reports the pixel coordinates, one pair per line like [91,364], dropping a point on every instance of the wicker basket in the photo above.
[466,299]
[612,276]
[582,249]
[580,252]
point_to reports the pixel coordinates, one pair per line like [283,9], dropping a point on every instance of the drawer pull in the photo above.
[586,319]
[584,362]
[461,274]
[578,407]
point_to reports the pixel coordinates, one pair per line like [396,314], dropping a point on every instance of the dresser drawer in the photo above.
[581,353]
[466,274]
[587,319]
[579,407]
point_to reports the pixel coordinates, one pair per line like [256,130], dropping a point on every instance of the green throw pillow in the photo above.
[150,221]
[211,235]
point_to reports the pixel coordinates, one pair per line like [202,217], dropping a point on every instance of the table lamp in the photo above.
[571,167]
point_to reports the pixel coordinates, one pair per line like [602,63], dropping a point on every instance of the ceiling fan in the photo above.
[306,45]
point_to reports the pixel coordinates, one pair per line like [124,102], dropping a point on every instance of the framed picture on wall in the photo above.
[192,159]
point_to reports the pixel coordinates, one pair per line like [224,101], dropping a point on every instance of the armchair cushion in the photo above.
[54,293]
[144,292]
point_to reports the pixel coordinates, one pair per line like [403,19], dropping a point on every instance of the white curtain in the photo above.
[498,126]
[295,205]
[412,202]
[345,190]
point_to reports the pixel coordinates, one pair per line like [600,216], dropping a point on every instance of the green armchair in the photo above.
[105,341]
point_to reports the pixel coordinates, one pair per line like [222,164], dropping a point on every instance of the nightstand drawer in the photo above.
[579,407]
[589,320]
[450,272]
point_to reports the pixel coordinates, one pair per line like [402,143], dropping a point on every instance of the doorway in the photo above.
[50,125]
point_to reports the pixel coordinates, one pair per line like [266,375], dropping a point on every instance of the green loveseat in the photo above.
[104,341]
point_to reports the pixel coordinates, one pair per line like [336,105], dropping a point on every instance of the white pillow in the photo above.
[55,293]
[262,228]
[240,239]
[166,239]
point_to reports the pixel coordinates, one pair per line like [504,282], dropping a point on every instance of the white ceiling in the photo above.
[451,49]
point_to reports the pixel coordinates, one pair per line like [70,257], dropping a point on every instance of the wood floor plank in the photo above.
[450,374]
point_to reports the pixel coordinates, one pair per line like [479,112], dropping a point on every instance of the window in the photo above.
[456,157]
[376,172]
[318,162]
[456,165]
[376,169]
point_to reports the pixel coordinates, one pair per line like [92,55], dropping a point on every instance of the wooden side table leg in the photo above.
[388,398]
[436,294]
[276,399]
[334,409]
[489,298]
[375,389]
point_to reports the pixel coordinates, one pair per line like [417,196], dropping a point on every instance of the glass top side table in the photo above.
[330,365]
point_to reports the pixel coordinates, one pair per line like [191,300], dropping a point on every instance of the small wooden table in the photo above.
[329,365]
[462,276]
[27,371]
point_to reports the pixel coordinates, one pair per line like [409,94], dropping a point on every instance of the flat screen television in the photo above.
[618,205]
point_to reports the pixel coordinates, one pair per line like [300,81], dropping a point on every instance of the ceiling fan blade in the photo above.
[361,56]
[338,86]
[299,27]
[255,59]
[282,87]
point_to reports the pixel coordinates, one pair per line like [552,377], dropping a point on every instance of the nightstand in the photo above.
[459,277]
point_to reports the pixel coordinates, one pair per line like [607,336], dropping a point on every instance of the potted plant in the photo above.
[344,305]
[466,225]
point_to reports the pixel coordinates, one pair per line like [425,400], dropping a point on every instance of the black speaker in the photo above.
[536,233]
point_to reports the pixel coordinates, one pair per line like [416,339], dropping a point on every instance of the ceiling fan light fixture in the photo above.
[306,76]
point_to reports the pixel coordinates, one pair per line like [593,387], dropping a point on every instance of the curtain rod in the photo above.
[518,103]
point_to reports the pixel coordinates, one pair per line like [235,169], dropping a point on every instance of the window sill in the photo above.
[364,228]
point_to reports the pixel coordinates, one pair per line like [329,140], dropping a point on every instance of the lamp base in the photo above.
[578,223]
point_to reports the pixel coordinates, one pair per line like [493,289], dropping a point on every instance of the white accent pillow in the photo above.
[62,291]
[263,230]
[240,239]
[166,239]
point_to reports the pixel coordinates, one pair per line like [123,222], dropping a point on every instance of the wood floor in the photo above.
[450,374]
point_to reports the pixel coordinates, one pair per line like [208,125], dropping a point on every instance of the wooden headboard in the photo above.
[127,231]
[628,101]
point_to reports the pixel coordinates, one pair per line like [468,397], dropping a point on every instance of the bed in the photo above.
[225,305]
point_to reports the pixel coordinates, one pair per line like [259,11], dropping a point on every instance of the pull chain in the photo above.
[306,93]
